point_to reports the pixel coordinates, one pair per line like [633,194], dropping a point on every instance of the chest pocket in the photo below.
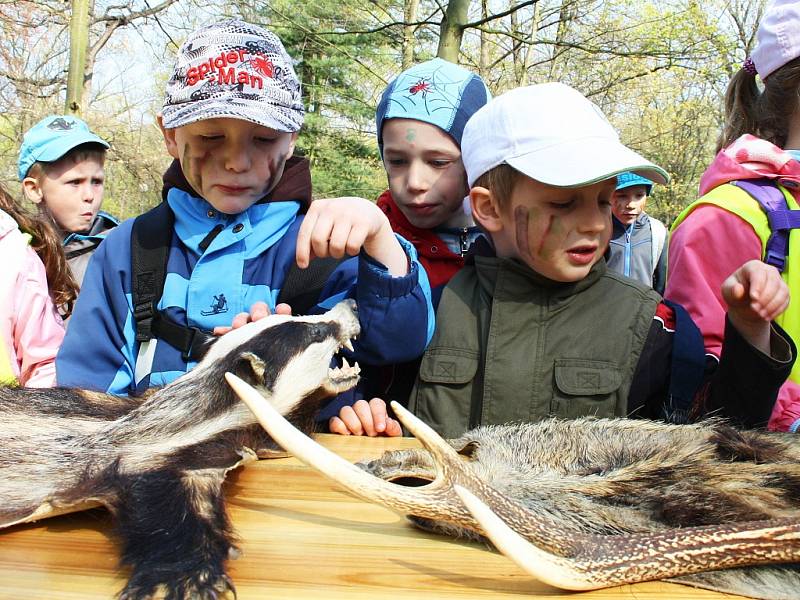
[586,387]
[445,389]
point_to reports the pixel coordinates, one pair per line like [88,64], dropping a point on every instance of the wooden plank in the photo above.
[301,537]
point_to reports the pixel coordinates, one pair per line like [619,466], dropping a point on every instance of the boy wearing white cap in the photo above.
[234,197]
[535,325]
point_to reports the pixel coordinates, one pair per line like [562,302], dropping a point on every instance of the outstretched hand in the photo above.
[343,226]
[755,294]
[365,418]
[258,311]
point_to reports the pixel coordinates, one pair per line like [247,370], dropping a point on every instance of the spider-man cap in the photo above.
[236,70]
[436,92]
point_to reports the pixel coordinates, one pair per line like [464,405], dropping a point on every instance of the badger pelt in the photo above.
[601,501]
[158,464]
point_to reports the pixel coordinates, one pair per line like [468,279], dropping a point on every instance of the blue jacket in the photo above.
[246,262]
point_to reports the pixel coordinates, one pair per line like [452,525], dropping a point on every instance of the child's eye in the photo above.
[210,138]
[440,163]
[265,140]
[396,162]
[562,205]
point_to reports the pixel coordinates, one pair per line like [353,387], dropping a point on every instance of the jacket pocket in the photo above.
[443,394]
[449,365]
[585,388]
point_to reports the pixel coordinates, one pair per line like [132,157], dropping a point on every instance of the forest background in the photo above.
[658,69]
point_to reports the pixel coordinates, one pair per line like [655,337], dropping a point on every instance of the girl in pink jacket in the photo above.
[727,226]
[31,331]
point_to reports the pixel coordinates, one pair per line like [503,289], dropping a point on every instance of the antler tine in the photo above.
[437,500]
[606,561]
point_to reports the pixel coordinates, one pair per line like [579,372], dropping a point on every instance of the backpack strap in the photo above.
[151,237]
[781,219]
[302,287]
[658,237]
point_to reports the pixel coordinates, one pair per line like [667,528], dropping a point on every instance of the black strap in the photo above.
[150,240]
[302,287]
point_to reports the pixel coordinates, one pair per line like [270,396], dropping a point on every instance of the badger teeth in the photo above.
[349,345]
[346,371]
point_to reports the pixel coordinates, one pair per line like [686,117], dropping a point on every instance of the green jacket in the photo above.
[511,345]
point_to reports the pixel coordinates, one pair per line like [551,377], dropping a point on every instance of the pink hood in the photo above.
[750,157]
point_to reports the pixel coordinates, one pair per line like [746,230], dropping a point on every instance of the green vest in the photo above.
[735,200]
[511,345]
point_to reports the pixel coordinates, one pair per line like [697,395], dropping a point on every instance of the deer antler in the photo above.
[543,548]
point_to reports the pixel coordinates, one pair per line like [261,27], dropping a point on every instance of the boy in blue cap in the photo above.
[420,119]
[60,166]
[235,195]
[638,246]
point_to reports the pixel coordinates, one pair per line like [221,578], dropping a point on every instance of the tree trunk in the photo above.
[78,43]
[452,30]
[484,59]
[410,16]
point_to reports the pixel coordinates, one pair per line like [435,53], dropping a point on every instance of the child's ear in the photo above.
[292,143]
[169,137]
[32,190]
[484,209]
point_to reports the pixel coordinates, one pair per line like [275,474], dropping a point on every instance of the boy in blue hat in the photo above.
[60,166]
[419,120]
[638,246]
[235,197]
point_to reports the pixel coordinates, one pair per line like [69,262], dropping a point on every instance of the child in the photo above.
[61,169]
[727,225]
[637,248]
[535,325]
[230,120]
[31,330]
[420,119]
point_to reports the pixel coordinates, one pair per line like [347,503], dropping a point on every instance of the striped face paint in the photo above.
[558,232]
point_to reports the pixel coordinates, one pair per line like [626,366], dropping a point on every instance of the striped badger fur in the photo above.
[158,463]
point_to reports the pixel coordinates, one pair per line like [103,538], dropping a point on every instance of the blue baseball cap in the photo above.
[437,92]
[628,179]
[51,138]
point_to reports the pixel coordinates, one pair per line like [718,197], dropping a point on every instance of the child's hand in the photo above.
[755,294]
[259,310]
[365,418]
[342,226]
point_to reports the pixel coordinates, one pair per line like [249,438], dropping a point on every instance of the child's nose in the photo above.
[237,160]
[595,218]
[417,180]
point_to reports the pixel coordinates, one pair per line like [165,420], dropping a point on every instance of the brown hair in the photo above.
[47,244]
[764,114]
[501,181]
[88,151]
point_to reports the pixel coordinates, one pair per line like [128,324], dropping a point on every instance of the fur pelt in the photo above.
[158,463]
[620,476]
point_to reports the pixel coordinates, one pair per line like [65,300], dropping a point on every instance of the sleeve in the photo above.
[786,414]
[99,351]
[741,386]
[38,331]
[395,313]
[703,251]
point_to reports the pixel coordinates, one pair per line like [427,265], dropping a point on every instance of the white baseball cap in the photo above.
[778,37]
[551,133]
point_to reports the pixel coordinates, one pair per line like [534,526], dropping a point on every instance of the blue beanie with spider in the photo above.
[436,92]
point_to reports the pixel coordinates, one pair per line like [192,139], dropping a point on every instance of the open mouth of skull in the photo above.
[343,376]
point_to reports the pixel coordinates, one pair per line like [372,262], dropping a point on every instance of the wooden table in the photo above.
[301,537]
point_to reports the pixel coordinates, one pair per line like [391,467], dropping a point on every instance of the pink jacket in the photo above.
[31,330]
[711,243]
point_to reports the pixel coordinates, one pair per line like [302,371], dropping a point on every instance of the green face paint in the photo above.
[411,135]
